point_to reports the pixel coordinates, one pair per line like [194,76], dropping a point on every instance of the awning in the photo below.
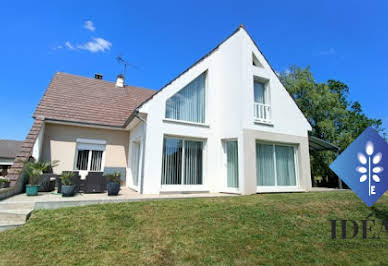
[317,144]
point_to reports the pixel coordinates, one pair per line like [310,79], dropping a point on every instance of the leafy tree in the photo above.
[332,116]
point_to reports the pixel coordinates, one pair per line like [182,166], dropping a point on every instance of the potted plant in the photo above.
[67,189]
[113,183]
[4,183]
[33,170]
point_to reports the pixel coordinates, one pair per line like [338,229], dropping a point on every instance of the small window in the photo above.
[189,103]
[256,61]
[89,157]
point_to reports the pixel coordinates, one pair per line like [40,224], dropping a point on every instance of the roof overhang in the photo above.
[317,144]
[82,124]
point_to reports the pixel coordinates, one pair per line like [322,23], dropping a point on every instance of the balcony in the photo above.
[262,113]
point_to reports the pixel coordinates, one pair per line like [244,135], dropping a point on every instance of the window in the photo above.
[231,163]
[90,155]
[256,61]
[182,162]
[259,88]
[262,109]
[189,103]
[275,165]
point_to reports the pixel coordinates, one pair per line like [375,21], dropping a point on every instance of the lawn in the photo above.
[258,229]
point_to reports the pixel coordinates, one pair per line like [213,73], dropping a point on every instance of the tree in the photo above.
[332,116]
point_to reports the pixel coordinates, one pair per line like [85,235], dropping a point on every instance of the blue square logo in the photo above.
[363,166]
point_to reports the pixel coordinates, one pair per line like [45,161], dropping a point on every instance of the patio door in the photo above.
[276,167]
[135,166]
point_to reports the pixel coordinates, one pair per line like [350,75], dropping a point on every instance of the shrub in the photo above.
[114,177]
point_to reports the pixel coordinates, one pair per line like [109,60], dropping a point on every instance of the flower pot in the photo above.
[32,190]
[68,191]
[113,189]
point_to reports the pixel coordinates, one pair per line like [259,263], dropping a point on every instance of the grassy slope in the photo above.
[271,228]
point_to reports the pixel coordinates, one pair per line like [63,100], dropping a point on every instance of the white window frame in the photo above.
[267,100]
[183,187]
[277,188]
[91,145]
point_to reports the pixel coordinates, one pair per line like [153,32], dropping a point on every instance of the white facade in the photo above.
[229,115]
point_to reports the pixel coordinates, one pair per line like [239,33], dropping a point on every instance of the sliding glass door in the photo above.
[231,163]
[182,162]
[276,165]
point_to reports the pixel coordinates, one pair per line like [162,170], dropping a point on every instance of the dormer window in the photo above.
[189,103]
[262,108]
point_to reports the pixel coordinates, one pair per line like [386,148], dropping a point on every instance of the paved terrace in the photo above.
[53,200]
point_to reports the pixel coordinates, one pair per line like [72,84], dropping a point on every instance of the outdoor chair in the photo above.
[95,183]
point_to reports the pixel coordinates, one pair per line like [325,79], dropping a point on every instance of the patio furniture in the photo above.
[75,179]
[47,182]
[95,183]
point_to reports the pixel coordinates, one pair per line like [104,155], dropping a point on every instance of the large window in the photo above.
[89,156]
[275,165]
[182,162]
[189,103]
[231,163]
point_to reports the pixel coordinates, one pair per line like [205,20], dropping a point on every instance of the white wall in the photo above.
[229,96]
[37,148]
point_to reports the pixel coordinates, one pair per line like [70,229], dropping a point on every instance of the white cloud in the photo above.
[96,45]
[69,45]
[57,47]
[89,25]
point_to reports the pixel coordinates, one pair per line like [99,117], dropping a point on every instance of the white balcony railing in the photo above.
[262,112]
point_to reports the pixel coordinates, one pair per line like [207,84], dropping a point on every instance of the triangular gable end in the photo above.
[264,62]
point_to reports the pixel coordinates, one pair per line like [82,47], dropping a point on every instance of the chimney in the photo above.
[97,76]
[120,81]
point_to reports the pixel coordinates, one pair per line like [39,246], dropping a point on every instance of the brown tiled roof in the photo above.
[25,151]
[9,148]
[74,98]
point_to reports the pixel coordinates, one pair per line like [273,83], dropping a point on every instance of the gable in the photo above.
[232,67]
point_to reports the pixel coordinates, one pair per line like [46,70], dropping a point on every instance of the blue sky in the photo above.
[343,41]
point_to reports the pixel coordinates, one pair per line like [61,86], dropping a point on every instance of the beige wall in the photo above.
[249,144]
[60,144]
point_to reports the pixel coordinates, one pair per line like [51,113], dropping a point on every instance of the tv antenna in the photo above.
[121,60]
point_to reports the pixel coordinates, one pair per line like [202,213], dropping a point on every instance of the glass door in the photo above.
[231,161]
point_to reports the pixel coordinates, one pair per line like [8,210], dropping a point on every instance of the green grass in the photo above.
[259,229]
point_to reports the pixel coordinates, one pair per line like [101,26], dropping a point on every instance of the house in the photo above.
[8,151]
[226,124]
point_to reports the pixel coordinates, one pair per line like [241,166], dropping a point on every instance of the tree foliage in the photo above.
[332,115]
